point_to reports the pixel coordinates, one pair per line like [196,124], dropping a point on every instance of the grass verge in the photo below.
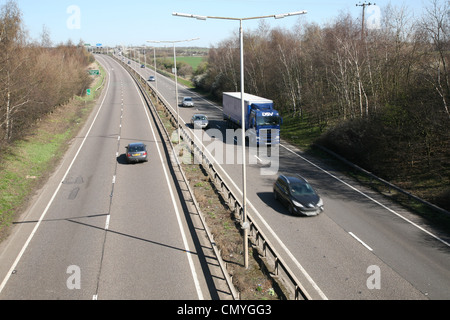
[253,283]
[302,135]
[26,164]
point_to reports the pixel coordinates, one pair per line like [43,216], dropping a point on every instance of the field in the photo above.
[194,62]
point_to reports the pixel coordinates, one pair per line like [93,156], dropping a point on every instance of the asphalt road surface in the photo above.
[363,246]
[103,229]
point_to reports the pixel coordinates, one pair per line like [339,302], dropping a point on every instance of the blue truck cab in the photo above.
[262,121]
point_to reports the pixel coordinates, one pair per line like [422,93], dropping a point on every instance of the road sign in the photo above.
[94,72]
[88,92]
[98,44]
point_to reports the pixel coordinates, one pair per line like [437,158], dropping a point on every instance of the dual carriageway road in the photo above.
[125,229]
[361,234]
[102,229]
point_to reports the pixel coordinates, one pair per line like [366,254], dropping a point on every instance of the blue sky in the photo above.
[133,22]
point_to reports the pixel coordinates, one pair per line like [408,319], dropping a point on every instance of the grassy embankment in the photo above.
[26,164]
[301,134]
[253,283]
[194,62]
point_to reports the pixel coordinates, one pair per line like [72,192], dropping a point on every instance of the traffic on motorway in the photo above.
[102,229]
[351,239]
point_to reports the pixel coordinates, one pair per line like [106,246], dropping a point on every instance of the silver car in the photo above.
[199,121]
[188,102]
[136,152]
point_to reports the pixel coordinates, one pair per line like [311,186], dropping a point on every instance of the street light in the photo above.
[244,174]
[176,76]
[154,66]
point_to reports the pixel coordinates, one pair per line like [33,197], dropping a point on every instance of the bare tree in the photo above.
[436,24]
[287,50]
[32,81]
[12,60]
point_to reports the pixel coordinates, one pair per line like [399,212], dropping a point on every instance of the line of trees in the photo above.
[382,98]
[35,77]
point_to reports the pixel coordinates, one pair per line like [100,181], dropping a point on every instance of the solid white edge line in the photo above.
[183,235]
[22,251]
[279,240]
[360,241]
[368,197]
[362,193]
[288,252]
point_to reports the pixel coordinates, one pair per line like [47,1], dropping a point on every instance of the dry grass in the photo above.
[253,283]
[26,164]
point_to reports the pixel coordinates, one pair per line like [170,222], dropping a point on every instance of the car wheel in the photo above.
[275,195]
[291,209]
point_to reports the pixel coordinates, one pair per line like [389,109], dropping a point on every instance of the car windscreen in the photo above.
[301,189]
[136,148]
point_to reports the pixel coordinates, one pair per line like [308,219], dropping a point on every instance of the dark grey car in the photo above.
[136,152]
[298,195]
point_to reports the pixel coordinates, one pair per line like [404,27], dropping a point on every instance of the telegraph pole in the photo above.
[364,5]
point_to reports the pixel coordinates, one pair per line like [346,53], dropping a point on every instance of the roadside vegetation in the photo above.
[379,98]
[253,283]
[43,104]
[189,61]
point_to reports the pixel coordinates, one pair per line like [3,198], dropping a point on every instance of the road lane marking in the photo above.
[368,197]
[284,247]
[108,219]
[360,241]
[180,225]
[362,193]
[289,253]
[350,186]
[44,213]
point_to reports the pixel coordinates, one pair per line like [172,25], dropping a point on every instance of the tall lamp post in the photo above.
[176,77]
[154,63]
[245,225]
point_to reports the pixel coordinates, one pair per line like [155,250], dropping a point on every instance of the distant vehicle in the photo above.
[298,195]
[151,78]
[188,102]
[199,121]
[142,65]
[129,62]
[136,152]
[262,121]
